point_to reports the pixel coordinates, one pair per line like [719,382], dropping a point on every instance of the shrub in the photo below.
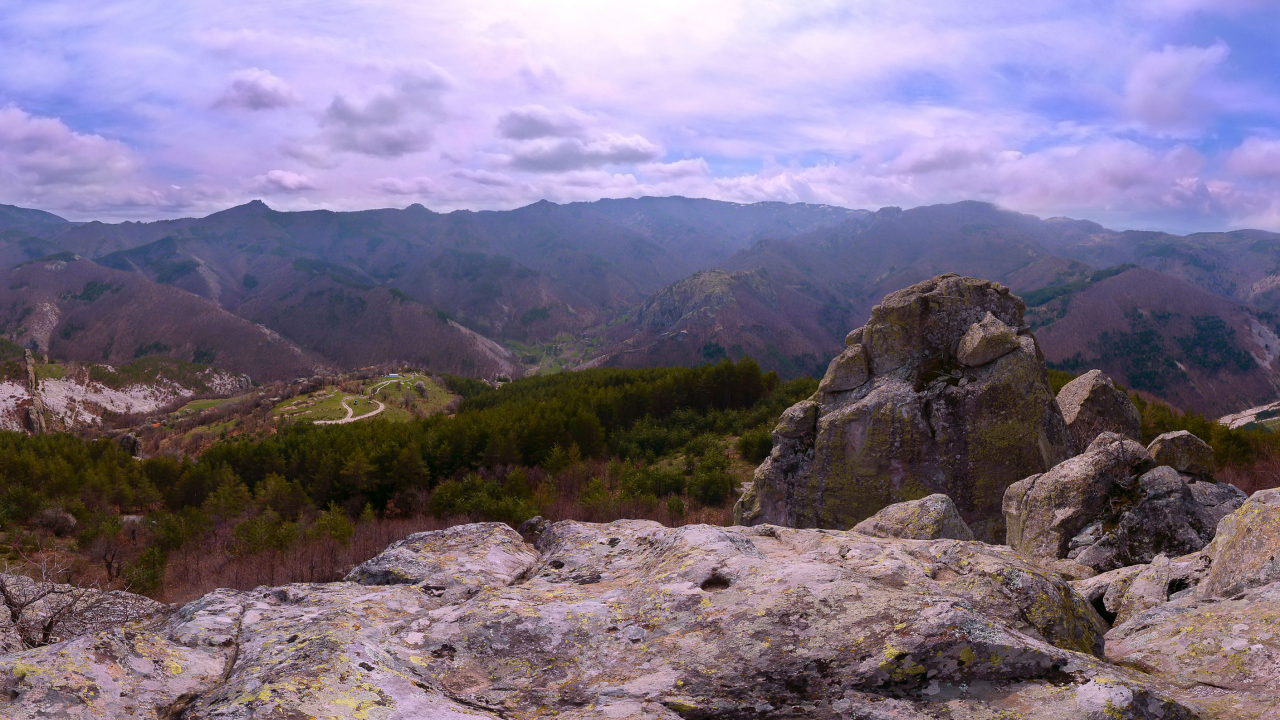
[755,445]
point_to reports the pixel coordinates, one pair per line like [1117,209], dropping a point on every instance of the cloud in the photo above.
[257,89]
[1256,158]
[43,151]
[405,186]
[484,177]
[1165,89]
[391,123]
[281,181]
[535,121]
[692,168]
[560,155]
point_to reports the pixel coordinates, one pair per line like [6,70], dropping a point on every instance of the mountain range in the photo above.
[630,283]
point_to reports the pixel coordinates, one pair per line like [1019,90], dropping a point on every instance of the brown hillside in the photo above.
[1161,335]
[77,310]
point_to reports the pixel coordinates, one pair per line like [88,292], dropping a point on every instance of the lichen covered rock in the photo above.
[1183,452]
[1091,404]
[931,518]
[625,620]
[1107,508]
[899,416]
[1223,652]
[457,559]
[1246,548]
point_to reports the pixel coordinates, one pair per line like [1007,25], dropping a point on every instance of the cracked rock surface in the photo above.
[629,619]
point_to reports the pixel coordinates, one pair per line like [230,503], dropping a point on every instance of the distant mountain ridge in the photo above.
[645,281]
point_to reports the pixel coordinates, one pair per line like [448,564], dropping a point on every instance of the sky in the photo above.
[1158,114]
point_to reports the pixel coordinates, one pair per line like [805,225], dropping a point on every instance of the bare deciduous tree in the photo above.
[38,610]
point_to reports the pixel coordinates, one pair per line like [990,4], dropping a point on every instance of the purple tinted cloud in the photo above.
[257,89]
[1132,113]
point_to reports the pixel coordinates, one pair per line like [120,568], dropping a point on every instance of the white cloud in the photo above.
[43,151]
[257,89]
[1165,88]
[1093,110]
[484,177]
[281,181]
[405,186]
[692,168]
[1256,158]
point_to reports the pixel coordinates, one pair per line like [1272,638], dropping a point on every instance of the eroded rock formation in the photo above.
[942,391]
[625,620]
[1109,507]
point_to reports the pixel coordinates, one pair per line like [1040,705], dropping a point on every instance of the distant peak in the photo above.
[253,207]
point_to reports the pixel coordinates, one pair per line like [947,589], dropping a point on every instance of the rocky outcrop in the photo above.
[625,620]
[1091,404]
[1183,452]
[35,411]
[1108,508]
[931,518]
[1208,622]
[942,391]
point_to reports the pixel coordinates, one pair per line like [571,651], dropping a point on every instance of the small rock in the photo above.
[931,518]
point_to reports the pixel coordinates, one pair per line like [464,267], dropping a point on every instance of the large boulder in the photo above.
[625,620]
[1091,404]
[1183,452]
[1108,508]
[1246,548]
[942,391]
[931,518]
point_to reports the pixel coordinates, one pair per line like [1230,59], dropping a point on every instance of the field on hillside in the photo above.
[401,397]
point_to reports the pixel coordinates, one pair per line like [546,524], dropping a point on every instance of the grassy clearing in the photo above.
[196,406]
[323,404]
[50,371]
[403,397]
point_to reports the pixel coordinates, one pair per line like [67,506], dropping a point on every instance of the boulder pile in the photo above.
[944,390]
[1112,506]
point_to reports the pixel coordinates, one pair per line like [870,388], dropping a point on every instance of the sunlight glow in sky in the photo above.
[1152,113]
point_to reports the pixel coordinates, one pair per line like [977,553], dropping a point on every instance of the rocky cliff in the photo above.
[943,390]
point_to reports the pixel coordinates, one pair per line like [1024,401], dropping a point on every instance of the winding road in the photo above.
[351,412]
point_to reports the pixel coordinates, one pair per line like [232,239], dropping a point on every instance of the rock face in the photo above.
[1183,452]
[931,518]
[1092,405]
[1246,549]
[1108,508]
[625,620]
[1208,622]
[942,391]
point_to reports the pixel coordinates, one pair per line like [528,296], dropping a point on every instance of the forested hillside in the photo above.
[669,444]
